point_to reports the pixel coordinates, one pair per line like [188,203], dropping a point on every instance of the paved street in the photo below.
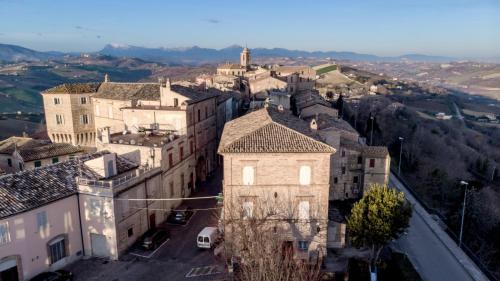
[177,259]
[432,252]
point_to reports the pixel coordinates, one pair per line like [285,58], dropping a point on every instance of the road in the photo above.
[432,252]
[178,259]
[459,114]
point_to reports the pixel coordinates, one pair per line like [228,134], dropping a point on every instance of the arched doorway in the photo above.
[10,268]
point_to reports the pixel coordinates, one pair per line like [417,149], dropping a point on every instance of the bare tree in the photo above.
[258,230]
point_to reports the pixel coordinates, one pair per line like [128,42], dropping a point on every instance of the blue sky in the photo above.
[468,28]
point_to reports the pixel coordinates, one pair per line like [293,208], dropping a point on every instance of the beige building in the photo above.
[69,113]
[20,153]
[277,169]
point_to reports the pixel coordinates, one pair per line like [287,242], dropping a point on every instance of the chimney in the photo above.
[168,83]
[105,135]
[164,91]
[313,125]
[106,78]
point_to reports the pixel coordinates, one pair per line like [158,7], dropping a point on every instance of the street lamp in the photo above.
[371,134]
[463,213]
[400,153]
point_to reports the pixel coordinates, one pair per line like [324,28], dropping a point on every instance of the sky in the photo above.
[460,28]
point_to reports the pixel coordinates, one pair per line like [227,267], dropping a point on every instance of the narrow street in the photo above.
[432,252]
[178,259]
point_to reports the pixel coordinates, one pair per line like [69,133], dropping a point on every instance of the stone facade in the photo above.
[69,114]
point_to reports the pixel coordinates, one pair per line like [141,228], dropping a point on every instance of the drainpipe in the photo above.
[80,220]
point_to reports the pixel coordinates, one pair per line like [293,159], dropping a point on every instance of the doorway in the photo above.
[8,270]
[152,221]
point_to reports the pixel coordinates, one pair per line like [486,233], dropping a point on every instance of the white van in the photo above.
[206,238]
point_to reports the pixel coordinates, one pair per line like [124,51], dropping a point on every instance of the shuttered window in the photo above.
[304,210]
[247,209]
[305,175]
[248,175]
[57,250]
[4,233]
[41,220]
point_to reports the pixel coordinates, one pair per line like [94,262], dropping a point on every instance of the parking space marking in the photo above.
[203,271]
[150,255]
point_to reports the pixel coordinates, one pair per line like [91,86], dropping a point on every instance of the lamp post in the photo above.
[400,153]
[463,213]
[371,134]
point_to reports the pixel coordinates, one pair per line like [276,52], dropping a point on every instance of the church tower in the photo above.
[245,58]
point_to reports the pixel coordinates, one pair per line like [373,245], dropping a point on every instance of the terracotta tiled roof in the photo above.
[31,189]
[268,130]
[73,88]
[230,66]
[31,149]
[375,151]
[128,91]
[194,95]
[326,121]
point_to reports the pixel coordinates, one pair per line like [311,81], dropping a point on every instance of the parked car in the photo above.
[180,216]
[206,238]
[154,238]
[58,275]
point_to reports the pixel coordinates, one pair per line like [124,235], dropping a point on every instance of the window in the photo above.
[41,221]
[355,179]
[55,160]
[110,111]
[181,153]
[38,163]
[343,170]
[83,100]
[191,147]
[360,160]
[84,119]
[4,233]
[57,250]
[59,119]
[335,180]
[97,110]
[130,232]
[111,170]
[372,163]
[21,167]
[343,153]
[57,101]
[206,112]
[171,186]
[176,102]
[304,210]
[170,160]
[247,209]
[305,175]
[9,162]
[248,175]
[303,245]
[199,115]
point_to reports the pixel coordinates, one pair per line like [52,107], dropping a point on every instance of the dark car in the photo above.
[153,239]
[180,216]
[58,275]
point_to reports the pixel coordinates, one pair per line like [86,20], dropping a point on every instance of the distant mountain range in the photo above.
[205,55]
[197,55]
[17,53]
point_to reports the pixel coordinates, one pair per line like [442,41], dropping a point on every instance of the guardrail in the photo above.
[447,230]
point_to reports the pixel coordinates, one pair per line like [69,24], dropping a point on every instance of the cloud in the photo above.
[214,21]
[39,34]
[98,36]
[78,27]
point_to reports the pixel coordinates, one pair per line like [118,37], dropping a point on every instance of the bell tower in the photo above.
[245,58]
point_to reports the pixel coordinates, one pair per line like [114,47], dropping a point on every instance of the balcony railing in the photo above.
[116,182]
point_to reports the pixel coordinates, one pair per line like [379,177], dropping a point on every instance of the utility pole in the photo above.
[371,134]
[463,214]
[400,153]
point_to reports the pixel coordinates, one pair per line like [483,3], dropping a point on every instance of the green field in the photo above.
[326,69]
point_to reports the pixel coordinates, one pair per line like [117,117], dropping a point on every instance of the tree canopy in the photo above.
[380,216]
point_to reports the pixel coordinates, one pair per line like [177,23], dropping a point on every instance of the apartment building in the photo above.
[69,113]
[276,168]
[20,153]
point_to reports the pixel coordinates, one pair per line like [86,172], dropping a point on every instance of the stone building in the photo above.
[20,153]
[275,165]
[92,205]
[355,166]
[69,113]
